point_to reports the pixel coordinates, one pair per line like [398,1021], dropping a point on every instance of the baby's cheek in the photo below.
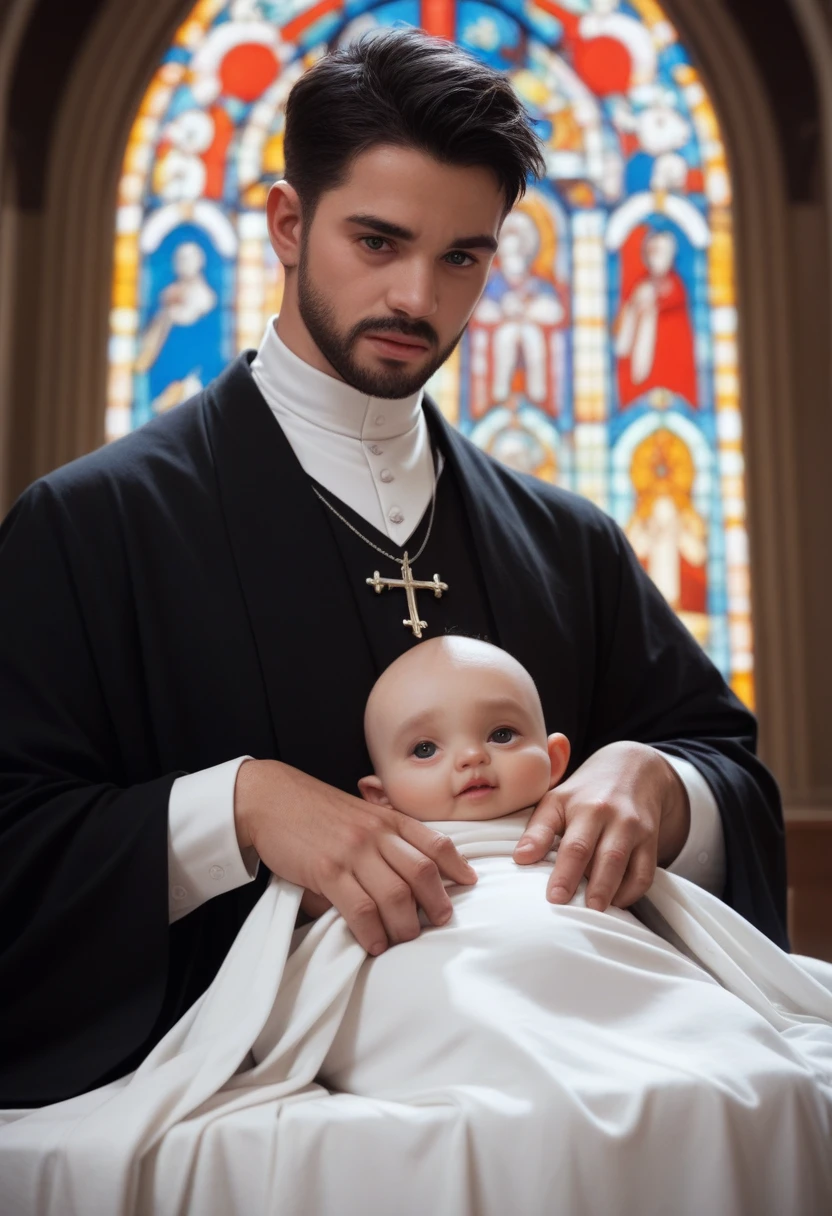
[533,775]
[421,794]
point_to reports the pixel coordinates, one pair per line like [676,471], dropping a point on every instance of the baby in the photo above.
[455,730]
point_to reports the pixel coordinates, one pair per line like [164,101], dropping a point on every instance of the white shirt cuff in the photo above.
[204,858]
[702,857]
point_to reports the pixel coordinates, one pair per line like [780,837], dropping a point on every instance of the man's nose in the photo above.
[413,289]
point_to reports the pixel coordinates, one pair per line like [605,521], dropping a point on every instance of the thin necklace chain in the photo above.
[372,544]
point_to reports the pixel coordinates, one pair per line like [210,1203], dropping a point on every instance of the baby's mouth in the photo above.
[476,786]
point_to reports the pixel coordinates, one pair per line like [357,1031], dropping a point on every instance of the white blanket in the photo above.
[524,1058]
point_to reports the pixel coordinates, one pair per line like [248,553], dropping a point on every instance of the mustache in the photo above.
[393,325]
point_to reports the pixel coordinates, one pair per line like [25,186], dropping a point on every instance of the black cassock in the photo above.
[181,598]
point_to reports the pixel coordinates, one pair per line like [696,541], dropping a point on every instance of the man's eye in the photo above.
[503,734]
[377,248]
[424,750]
[457,253]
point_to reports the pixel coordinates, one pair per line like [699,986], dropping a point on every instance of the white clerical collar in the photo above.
[329,403]
[372,453]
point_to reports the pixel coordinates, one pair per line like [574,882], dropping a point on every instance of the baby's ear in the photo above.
[559,752]
[373,791]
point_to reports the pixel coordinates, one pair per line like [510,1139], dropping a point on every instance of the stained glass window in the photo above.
[603,354]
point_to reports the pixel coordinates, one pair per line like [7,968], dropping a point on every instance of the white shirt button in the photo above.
[386,475]
[178,892]
[395,516]
[380,420]
[216,872]
[702,857]
[375,449]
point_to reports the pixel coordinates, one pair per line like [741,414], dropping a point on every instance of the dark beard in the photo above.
[391,380]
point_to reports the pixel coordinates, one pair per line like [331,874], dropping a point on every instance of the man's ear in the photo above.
[559,752]
[373,791]
[284,219]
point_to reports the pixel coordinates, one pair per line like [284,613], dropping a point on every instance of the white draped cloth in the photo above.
[525,1057]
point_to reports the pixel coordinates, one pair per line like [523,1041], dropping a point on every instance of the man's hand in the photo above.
[621,813]
[374,864]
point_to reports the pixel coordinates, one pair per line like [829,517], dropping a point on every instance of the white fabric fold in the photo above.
[524,1057]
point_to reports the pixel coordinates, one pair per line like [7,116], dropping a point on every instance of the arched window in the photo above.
[603,354]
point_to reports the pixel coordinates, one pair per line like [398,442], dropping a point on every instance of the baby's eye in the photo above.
[503,734]
[424,750]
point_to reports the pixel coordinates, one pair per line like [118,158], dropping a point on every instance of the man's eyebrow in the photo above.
[481,241]
[385,228]
[382,226]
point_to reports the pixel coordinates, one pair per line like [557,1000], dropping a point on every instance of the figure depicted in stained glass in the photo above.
[518,449]
[190,153]
[182,308]
[667,532]
[524,440]
[514,325]
[231,69]
[654,133]
[610,49]
[654,339]
[187,300]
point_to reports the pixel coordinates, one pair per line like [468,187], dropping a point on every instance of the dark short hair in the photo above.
[402,87]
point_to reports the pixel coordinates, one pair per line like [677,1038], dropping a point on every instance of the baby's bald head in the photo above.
[448,714]
[426,676]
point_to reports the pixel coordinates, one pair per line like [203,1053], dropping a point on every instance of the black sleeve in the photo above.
[656,685]
[83,876]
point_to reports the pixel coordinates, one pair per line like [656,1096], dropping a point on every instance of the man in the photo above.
[191,619]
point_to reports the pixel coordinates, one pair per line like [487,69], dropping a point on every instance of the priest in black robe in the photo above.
[201,607]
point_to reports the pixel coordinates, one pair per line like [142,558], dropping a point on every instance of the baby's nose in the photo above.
[473,754]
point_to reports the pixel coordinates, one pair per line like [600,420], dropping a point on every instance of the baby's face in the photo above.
[455,731]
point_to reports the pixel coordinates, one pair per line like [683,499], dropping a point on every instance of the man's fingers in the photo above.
[314,905]
[422,878]
[394,898]
[638,877]
[440,849]
[360,912]
[546,823]
[612,857]
[574,853]
[385,876]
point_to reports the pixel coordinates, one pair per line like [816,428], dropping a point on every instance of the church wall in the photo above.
[22,240]
[810,327]
[55,263]
[809,848]
[13,21]
[813,270]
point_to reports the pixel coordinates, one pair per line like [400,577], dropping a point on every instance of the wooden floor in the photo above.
[809,853]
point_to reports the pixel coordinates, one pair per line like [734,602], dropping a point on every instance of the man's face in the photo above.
[392,265]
